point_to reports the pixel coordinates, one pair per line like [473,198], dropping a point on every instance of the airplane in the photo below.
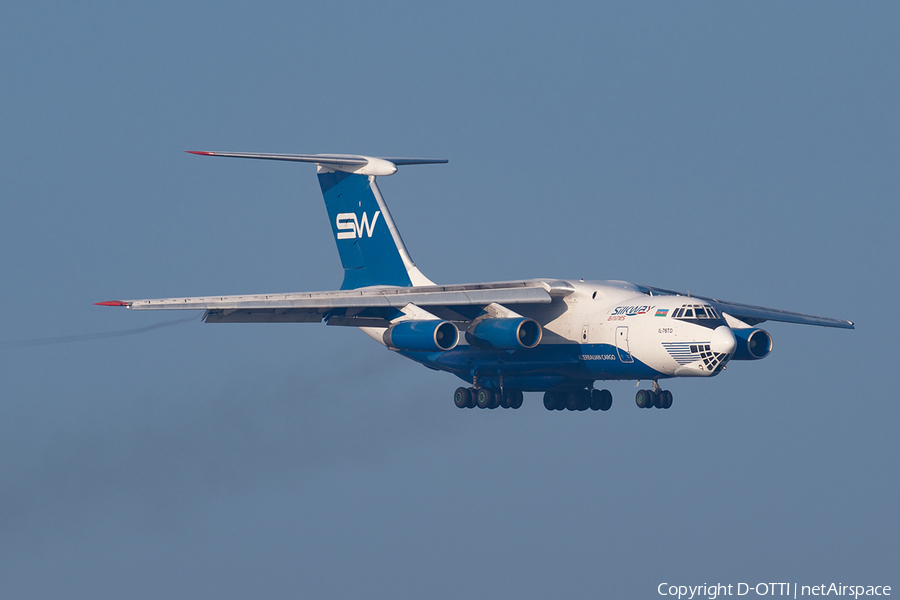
[501,338]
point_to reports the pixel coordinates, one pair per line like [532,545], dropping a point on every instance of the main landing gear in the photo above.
[487,398]
[655,398]
[582,399]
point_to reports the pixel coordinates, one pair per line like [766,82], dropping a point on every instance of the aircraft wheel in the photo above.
[503,398]
[600,400]
[484,398]
[559,399]
[656,399]
[584,400]
[473,398]
[461,397]
[549,403]
[512,398]
[667,403]
[642,399]
[573,401]
[555,400]
[607,400]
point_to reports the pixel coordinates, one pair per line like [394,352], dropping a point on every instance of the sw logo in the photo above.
[353,227]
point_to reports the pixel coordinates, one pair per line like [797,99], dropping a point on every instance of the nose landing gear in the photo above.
[655,398]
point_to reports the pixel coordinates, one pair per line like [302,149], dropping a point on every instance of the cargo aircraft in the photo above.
[502,338]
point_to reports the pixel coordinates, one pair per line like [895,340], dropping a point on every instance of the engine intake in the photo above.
[751,344]
[422,336]
[505,334]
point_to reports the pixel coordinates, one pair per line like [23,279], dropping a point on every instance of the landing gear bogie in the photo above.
[488,398]
[571,400]
[578,400]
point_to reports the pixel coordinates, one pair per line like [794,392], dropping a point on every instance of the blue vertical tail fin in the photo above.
[371,249]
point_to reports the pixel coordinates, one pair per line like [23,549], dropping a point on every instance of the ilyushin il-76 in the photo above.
[502,338]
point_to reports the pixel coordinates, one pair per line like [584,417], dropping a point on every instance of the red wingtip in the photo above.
[111,303]
[200,153]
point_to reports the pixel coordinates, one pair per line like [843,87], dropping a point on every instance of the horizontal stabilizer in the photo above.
[348,163]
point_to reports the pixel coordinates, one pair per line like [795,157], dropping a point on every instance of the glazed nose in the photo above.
[722,341]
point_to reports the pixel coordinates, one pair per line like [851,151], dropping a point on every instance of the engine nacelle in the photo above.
[422,336]
[505,334]
[751,344]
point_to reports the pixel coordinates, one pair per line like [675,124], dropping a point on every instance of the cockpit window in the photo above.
[696,311]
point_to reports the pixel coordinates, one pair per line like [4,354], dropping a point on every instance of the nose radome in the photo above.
[722,341]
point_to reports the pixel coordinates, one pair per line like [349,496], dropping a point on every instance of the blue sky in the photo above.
[747,152]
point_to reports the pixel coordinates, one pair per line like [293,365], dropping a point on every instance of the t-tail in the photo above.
[371,249]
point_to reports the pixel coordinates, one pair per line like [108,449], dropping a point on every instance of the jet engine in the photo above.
[751,344]
[422,336]
[505,334]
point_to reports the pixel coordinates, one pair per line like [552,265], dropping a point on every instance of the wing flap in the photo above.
[262,315]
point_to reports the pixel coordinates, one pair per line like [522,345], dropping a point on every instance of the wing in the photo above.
[364,307]
[753,315]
